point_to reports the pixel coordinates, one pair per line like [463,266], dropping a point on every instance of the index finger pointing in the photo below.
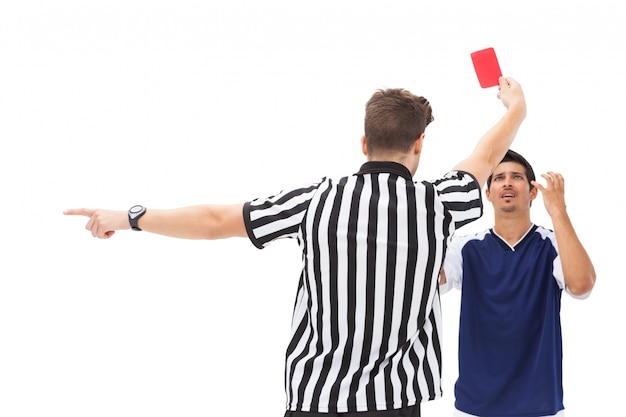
[79,212]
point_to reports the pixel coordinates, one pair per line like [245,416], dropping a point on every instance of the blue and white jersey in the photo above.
[510,346]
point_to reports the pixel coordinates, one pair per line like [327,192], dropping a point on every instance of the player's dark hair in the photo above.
[512,156]
[394,118]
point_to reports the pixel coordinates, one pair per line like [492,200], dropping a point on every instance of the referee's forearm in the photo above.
[196,222]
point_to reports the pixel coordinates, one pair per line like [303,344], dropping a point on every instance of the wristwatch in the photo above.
[134,213]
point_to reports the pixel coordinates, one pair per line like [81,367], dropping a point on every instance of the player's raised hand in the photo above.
[553,192]
[102,223]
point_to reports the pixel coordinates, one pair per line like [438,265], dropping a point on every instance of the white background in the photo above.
[170,103]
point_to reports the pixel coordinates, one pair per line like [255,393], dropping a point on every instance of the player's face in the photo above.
[509,190]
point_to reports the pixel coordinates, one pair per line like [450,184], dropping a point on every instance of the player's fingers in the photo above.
[538,185]
[557,179]
[549,182]
[548,177]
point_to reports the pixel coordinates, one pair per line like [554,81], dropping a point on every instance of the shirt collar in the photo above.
[375,167]
[532,228]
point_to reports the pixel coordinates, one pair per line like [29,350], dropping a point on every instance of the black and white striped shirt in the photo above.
[366,322]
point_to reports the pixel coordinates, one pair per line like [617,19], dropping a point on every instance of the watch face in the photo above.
[134,213]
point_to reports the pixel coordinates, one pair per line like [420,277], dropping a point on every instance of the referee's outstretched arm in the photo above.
[193,222]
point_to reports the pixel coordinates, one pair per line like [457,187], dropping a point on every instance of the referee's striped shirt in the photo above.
[366,321]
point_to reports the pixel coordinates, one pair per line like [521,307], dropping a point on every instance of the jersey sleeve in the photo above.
[453,265]
[557,269]
[461,196]
[278,216]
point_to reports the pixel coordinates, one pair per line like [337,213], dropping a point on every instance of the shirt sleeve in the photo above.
[557,271]
[461,196]
[453,265]
[278,216]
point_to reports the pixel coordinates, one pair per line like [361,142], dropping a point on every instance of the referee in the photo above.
[365,339]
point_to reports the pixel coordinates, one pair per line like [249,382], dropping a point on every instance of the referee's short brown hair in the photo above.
[394,119]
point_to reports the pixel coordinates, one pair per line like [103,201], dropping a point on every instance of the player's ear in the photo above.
[487,194]
[533,193]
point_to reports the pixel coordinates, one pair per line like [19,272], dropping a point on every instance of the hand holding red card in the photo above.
[487,67]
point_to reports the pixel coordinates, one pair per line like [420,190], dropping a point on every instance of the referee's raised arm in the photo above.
[491,148]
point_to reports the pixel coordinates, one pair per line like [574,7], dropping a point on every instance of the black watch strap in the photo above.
[134,213]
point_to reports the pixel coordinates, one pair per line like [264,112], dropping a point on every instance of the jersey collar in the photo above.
[513,248]
[377,167]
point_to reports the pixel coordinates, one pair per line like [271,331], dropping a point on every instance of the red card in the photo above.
[487,67]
